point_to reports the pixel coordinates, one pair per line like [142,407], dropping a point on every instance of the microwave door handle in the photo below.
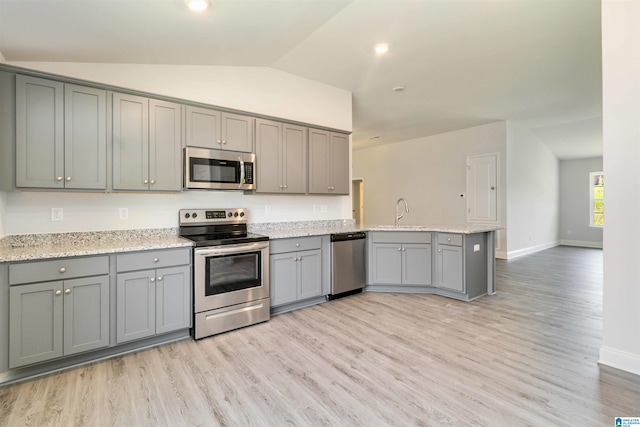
[241,172]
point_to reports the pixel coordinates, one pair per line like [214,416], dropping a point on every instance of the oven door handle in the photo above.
[231,249]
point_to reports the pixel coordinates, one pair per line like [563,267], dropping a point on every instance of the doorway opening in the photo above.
[357,200]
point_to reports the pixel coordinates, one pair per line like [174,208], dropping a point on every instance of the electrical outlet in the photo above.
[267,209]
[316,208]
[124,213]
[57,214]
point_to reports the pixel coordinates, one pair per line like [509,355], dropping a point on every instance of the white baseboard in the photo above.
[620,360]
[531,249]
[581,243]
[501,255]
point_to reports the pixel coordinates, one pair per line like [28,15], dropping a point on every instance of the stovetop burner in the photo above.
[216,227]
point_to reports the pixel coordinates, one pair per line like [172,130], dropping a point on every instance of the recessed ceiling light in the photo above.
[381,48]
[399,88]
[197,5]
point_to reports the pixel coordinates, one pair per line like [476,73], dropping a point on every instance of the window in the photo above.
[596,187]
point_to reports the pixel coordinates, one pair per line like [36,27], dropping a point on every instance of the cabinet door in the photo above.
[130,142]
[319,147]
[269,156]
[165,146]
[173,299]
[294,159]
[450,268]
[340,183]
[309,274]
[85,138]
[35,323]
[202,128]
[39,133]
[237,132]
[86,314]
[416,264]
[283,278]
[387,263]
[135,305]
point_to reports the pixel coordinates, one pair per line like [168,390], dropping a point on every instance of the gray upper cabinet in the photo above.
[60,135]
[57,318]
[281,152]
[147,147]
[214,129]
[328,162]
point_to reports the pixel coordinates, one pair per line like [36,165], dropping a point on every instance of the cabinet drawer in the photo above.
[152,259]
[294,244]
[400,236]
[450,239]
[59,269]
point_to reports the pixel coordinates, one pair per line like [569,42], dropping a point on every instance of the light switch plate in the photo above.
[124,213]
[476,248]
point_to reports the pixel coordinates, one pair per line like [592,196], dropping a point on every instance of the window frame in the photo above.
[592,176]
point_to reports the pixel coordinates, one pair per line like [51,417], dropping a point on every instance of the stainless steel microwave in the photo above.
[218,169]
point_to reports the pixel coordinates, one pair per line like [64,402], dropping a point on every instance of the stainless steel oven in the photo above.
[230,270]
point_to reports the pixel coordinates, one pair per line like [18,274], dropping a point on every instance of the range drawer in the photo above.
[153,259]
[59,269]
[450,239]
[294,244]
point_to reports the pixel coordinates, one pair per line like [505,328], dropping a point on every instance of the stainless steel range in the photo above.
[230,270]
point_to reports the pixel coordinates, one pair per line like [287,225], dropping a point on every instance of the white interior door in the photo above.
[482,189]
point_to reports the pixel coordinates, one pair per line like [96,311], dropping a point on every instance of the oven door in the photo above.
[231,274]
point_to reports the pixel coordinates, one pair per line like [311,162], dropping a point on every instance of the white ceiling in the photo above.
[463,62]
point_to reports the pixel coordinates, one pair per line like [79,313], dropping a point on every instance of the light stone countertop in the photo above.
[29,247]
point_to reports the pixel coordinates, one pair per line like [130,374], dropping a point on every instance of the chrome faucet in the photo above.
[398,214]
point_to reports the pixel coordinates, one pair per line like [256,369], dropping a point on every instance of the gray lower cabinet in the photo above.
[281,152]
[152,301]
[399,259]
[60,135]
[328,162]
[450,262]
[295,270]
[57,318]
[147,145]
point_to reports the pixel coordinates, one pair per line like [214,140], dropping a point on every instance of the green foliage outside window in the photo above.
[597,198]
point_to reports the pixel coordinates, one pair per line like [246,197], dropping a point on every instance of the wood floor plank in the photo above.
[524,357]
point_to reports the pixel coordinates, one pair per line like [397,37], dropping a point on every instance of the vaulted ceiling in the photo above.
[463,62]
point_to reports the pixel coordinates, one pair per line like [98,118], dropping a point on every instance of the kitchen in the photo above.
[27,212]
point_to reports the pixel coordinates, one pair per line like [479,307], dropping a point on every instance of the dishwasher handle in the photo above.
[357,235]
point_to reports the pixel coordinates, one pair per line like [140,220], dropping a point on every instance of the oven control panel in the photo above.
[212,216]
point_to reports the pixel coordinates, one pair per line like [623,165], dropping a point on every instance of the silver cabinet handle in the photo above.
[449,239]
[62,269]
[153,181]
[146,181]
[58,292]
[159,278]
[156,260]
[67,291]
[68,178]
[404,249]
[285,186]
[224,142]
[399,249]
[297,245]
[152,279]
[58,178]
[219,142]
[439,250]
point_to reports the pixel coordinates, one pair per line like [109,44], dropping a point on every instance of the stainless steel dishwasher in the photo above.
[347,264]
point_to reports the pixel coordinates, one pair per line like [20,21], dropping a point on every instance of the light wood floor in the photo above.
[526,356]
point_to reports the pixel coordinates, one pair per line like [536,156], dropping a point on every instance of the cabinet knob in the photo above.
[156,260]
[284,186]
[404,249]
[439,250]
[62,269]
[58,178]
[297,245]
[219,142]
[58,292]
[399,249]
[159,278]
[153,181]
[146,181]
[281,186]
[224,142]
[68,178]
[67,291]
[448,239]
[152,279]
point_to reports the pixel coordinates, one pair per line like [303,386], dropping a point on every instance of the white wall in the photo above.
[2,58]
[429,172]
[255,89]
[621,132]
[533,193]
[575,203]
[3,196]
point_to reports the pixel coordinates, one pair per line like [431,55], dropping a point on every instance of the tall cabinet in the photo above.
[147,149]
[60,135]
[328,162]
